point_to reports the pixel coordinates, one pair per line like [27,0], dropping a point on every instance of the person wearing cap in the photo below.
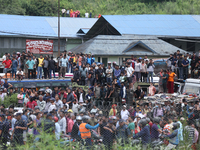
[48,103]
[108,135]
[124,113]
[185,64]
[113,110]
[75,128]
[48,124]
[122,132]
[19,127]
[84,130]
[57,128]
[52,106]
[4,131]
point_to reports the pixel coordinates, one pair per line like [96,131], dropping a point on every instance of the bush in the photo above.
[9,100]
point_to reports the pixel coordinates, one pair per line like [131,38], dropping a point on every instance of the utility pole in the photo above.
[58,28]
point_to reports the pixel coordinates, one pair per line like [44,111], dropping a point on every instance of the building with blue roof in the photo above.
[15,29]
[182,31]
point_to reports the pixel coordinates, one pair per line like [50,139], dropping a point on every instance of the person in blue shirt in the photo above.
[30,64]
[14,66]
[117,72]
[25,115]
[173,137]
[144,134]
[93,59]
[4,131]
[180,130]
[191,113]
[89,59]
[84,130]
[185,64]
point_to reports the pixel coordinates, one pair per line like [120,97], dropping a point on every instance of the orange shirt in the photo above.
[171,77]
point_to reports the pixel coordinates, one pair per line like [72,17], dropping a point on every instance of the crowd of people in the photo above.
[185,66]
[76,14]
[74,112]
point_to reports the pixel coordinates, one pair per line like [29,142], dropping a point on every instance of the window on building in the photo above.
[105,61]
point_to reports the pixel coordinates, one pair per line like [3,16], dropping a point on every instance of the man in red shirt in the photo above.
[31,104]
[7,63]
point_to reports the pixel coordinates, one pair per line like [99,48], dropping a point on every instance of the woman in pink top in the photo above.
[70,124]
[20,97]
[152,90]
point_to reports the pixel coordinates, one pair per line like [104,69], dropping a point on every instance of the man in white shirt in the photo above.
[57,128]
[20,74]
[59,103]
[146,59]
[124,113]
[86,15]
[129,72]
[52,106]
[62,122]
[41,103]
[4,57]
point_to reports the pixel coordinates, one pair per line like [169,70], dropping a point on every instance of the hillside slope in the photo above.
[105,7]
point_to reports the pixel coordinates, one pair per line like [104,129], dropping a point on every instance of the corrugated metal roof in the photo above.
[42,26]
[125,45]
[158,25]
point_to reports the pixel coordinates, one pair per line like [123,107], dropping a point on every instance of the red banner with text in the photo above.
[39,46]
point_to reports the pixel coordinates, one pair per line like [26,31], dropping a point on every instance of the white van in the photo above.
[192,86]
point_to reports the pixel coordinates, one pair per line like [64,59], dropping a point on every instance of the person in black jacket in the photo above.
[100,74]
[180,67]
[51,67]
[76,75]
[75,129]
[70,97]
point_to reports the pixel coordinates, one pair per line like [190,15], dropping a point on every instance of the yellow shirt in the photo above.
[40,62]
[171,77]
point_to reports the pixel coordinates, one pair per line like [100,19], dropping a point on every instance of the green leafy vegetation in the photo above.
[104,7]
[9,100]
